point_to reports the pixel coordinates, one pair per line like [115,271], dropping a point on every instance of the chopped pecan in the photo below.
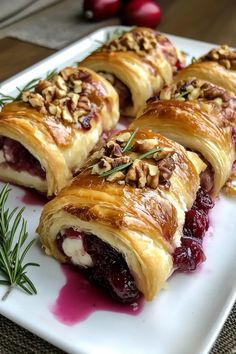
[120,161]
[145,145]
[116,177]
[77,86]
[166,167]
[66,96]
[124,137]
[223,55]
[137,174]
[113,149]
[102,166]
[66,115]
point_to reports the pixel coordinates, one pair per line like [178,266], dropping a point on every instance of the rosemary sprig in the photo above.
[183,94]
[127,146]
[13,250]
[124,166]
[117,169]
[28,87]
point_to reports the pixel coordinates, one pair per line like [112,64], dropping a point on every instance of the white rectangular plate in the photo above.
[185,318]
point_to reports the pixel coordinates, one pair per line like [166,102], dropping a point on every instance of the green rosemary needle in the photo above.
[117,169]
[28,87]
[127,146]
[13,249]
[183,94]
[125,165]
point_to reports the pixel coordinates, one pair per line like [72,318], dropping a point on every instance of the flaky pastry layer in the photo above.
[144,224]
[60,142]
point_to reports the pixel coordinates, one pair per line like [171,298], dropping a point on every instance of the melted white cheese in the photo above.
[73,248]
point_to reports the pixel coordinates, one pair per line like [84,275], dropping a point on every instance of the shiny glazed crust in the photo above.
[144,71]
[60,145]
[212,72]
[144,224]
[218,67]
[199,125]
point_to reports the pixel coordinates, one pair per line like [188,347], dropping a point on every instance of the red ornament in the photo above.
[146,13]
[97,10]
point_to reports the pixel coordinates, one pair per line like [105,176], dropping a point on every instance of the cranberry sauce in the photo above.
[125,98]
[109,270]
[78,299]
[19,158]
[32,197]
[190,254]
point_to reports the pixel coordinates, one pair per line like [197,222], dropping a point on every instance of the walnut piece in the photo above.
[223,55]
[65,96]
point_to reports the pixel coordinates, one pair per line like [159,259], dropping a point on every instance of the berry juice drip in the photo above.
[78,299]
[190,254]
[109,270]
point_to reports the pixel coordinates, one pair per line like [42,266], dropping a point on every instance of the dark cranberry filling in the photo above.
[125,97]
[190,254]
[19,158]
[109,270]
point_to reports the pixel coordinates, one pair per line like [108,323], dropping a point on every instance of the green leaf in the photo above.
[12,269]
[127,146]
[117,169]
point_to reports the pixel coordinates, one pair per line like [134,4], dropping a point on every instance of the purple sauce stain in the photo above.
[78,299]
[31,197]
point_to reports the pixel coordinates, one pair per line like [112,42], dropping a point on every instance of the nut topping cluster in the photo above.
[65,96]
[191,90]
[144,42]
[137,163]
[223,55]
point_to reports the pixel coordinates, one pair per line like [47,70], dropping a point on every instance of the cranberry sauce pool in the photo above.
[78,299]
[32,197]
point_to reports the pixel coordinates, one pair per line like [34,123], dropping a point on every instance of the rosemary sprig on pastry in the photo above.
[28,87]
[13,249]
[127,159]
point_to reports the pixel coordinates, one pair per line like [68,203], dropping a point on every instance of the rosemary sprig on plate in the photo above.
[28,87]
[13,249]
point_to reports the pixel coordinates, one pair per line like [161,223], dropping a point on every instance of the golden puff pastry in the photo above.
[198,115]
[218,67]
[47,136]
[127,209]
[138,64]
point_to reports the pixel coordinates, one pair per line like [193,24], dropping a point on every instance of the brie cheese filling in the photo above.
[73,248]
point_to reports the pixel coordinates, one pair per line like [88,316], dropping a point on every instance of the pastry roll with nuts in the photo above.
[200,116]
[218,67]
[137,64]
[47,136]
[122,217]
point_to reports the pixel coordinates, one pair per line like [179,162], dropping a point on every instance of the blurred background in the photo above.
[36,28]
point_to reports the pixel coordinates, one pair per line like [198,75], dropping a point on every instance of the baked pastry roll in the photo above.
[122,217]
[198,115]
[218,67]
[137,64]
[46,137]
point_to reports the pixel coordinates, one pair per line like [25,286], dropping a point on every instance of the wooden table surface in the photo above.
[207,20]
